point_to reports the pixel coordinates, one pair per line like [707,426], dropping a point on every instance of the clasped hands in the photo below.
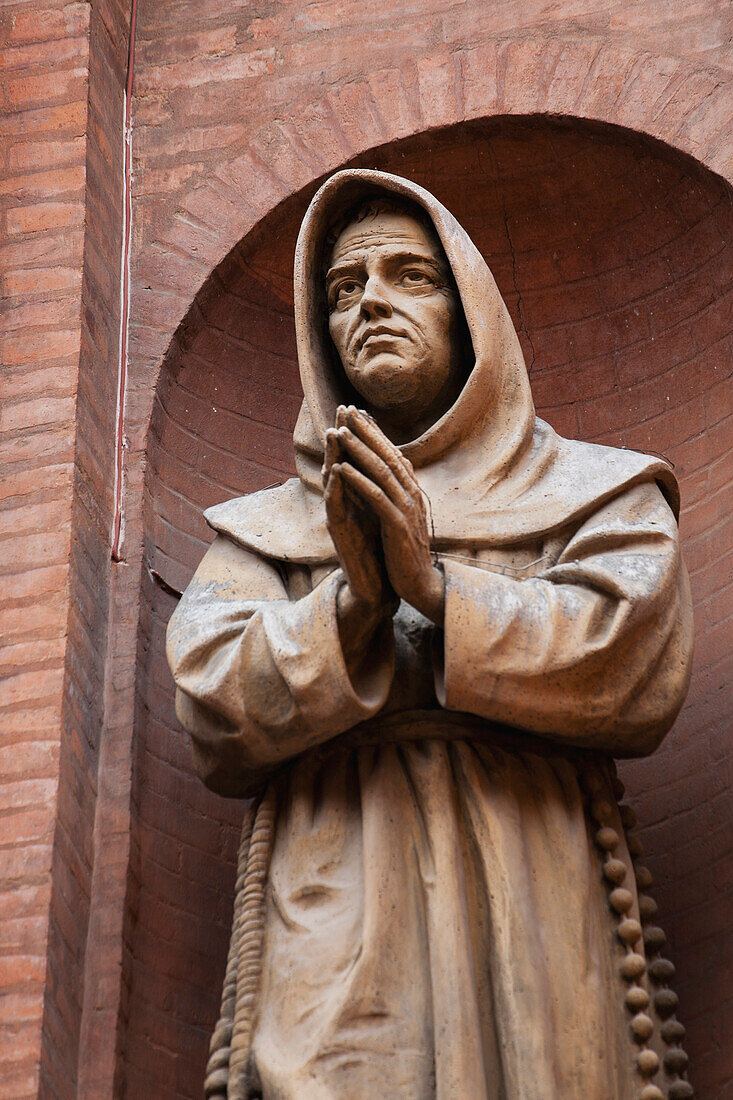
[377,518]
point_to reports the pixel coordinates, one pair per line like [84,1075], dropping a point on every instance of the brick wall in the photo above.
[238,111]
[59,250]
[44,60]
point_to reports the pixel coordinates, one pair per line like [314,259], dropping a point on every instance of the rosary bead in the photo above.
[654,938]
[607,838]
[633,966]
[665,1002]
[675,1061]
[643,877]
[680,1090]
[648,1062]
[615,870]
[642,1027]
[637,998]
[621,899]
[648,908]
[673,1031]
[651,1092]
[662,970]
[629,930]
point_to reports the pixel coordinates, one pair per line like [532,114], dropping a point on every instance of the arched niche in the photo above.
[610,251]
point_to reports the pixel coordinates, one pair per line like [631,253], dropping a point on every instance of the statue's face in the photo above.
[393,313]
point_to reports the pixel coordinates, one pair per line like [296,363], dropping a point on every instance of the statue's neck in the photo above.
[403,425]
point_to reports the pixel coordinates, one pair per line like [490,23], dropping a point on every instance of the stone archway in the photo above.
[609,251]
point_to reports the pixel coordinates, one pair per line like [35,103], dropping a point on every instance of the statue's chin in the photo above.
[389,382]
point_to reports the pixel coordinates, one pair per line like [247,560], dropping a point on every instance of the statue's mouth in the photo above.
[379,332]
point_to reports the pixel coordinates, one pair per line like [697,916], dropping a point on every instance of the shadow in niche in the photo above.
[610,253]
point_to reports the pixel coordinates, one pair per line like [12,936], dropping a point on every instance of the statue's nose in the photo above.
[375,301]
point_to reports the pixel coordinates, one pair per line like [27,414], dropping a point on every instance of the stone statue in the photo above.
[418,659]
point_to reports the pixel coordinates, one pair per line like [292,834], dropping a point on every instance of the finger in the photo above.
[345,508]
[333,496]
[367,429]
[341,413]
[337,519]
[365,425]
[371,494]
[332,452]
[359,565]
[375,468]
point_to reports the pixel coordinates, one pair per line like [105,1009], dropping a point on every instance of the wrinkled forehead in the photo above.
[387,232]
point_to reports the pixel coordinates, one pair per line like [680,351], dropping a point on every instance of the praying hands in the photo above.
[377,518]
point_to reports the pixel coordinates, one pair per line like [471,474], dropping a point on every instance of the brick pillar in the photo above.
[63,68]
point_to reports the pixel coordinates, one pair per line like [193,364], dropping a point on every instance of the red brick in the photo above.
[49,248]
[397,109]
[31,156]
[28,92]
[39,23]
[33,517]
[60,312]
[479,67]
[355,116]
[18,1043]
[41,55]
[29,348]
[17,1008]
[41,280]
[182,74]
[33,686]
[182,47]
[440,83]
[39,411]
[18,970]
[66,118]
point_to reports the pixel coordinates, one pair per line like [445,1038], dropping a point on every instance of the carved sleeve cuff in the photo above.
[304,644]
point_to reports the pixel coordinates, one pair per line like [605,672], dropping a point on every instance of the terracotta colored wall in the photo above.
[44,61]
[238,109]
[60,202]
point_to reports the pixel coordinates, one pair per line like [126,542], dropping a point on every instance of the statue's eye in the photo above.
[415,277]
[346,292]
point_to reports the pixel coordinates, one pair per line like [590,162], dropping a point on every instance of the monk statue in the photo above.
[417,661]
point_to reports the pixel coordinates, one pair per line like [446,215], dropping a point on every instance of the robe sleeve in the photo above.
[595,651]
[260,677]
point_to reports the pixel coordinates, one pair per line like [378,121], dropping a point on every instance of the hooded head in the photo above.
[486,396]
[494,473]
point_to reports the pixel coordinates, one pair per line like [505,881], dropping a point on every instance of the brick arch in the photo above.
[588,78]
[608,249]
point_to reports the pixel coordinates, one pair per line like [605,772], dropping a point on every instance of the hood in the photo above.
[493,472]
